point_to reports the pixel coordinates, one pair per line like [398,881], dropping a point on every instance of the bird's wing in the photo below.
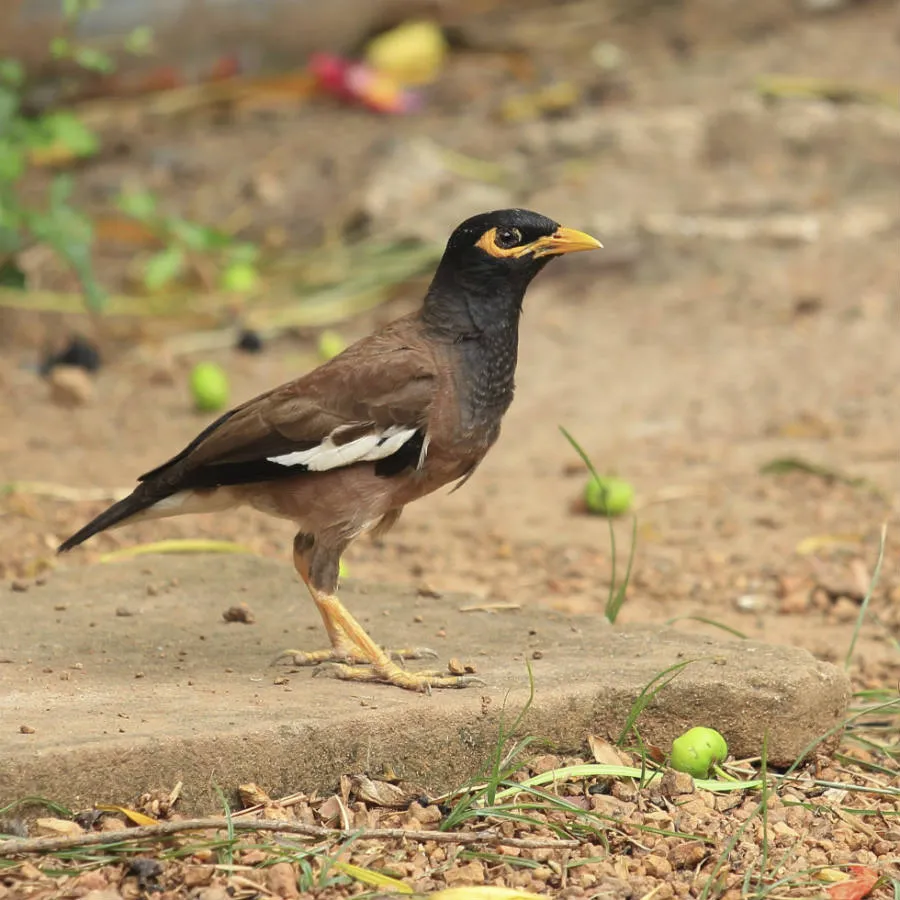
[369,404]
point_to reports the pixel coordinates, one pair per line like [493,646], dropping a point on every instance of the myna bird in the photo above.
[340,451]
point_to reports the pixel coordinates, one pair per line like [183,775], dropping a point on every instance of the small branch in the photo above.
[164,829]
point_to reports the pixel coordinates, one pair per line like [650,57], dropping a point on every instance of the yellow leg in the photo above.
[344,649]
[383,669]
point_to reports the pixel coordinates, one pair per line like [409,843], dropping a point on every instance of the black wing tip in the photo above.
[113,515]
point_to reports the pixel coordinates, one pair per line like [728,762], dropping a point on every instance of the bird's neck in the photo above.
[483,336]
[487,376]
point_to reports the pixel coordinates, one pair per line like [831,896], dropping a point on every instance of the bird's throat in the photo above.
[487,376]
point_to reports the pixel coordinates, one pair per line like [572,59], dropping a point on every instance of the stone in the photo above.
[207,701]
[70,386]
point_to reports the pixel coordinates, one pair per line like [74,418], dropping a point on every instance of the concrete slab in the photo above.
[131,679]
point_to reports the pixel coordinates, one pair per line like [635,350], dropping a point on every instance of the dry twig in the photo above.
[164,829]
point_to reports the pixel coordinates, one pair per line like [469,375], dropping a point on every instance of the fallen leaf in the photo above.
[816,542]
[252,794]
[132,815]
[380,793]
[860,883]
[605,752]
[372,878]
[483,892]
[59,826]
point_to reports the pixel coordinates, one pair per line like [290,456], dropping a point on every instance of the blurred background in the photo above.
[200,199]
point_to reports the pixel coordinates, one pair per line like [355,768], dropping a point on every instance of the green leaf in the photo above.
[243,253]
[71,8]
[68,130]
[9,107]
[60,191]
[11,276]
[94,60]
[12,72]
[60,48]
[12,162]
[164,267]
[140,41]
[10,231]
[195,236]
[140,205]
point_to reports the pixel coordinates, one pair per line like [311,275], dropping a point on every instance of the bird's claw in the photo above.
[302,658]
[377,673]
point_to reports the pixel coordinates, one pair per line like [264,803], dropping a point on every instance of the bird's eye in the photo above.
[506,238]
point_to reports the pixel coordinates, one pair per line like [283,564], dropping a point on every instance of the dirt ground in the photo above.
[746,309]
[681,361]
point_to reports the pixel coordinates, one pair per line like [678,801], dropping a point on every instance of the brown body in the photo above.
[340,504]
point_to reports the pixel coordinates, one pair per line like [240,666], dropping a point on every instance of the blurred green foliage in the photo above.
[28,139]
[182,240]
[54,221]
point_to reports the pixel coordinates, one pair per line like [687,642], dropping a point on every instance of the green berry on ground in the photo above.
[209,387]
[330,344]
[697,751]
[239,277]
[608,496]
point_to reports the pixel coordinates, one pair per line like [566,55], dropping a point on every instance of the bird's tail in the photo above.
[149,501]
[137,501]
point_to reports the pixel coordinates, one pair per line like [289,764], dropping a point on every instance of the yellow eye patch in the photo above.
[563,240]
[488,243]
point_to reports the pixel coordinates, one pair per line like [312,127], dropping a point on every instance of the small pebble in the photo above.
[70,386]
[242,614]
[26,729]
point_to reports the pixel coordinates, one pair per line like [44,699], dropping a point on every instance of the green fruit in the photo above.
[330,344]
[697,751]
[239,277]
[209,387]
[608,496]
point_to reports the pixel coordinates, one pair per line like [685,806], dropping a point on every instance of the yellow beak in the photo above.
[563,240]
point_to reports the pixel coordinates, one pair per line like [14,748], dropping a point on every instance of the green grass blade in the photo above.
[865,604]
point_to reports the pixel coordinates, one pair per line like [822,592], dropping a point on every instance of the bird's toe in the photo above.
[423,682]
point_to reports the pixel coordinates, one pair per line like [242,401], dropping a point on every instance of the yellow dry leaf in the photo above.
[59,826]
[483,892]
[132,815]
[177,545]
[816,542]
[373,878]
[831,875]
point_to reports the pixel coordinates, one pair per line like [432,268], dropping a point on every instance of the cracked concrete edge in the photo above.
[441,752]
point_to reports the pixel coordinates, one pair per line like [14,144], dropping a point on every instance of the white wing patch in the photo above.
[328,455]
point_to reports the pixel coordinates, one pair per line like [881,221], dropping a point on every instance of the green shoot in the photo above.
[873,581]
[617,593]
[648,694]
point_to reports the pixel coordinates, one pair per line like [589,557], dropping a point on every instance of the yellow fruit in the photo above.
[330,344]
[209,386]
[412,53]
[608,496]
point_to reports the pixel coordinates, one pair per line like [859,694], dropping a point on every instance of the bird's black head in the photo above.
[488,264]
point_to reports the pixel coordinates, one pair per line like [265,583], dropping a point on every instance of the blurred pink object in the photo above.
[356,82]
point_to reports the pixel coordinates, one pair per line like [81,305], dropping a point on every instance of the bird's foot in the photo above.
[348,655]
[390,673]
